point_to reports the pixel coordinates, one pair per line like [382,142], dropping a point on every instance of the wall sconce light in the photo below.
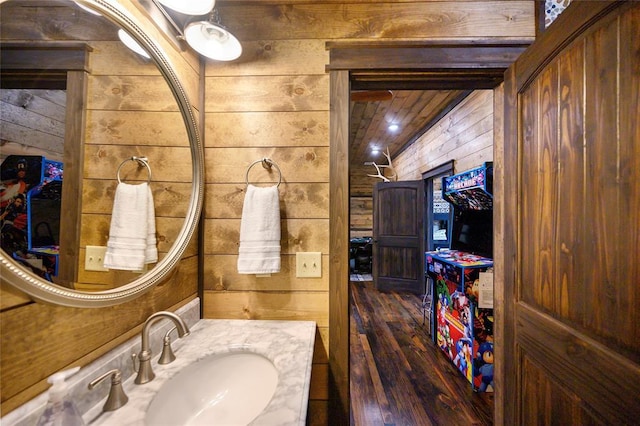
[212,40]
[132,44]
[207,37]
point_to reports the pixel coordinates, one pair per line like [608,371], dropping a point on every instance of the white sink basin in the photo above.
[224,389]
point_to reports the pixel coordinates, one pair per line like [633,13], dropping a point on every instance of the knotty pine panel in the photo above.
[267,93]
[95,230]
[221,272]
[304,164]
[274,57]
[476,158]
[32,124]
[222,236]
[171,199]
[267,129]
[114,278]
[297,200]
[130,93]
[141,128]
[53,23]
[171,163]
[361,213]
[42,339]
[464,135]
[34,108]
[361,184]
[113,58]
[263,305]
[388,20]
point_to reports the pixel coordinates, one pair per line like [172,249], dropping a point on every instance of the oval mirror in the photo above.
[94,108]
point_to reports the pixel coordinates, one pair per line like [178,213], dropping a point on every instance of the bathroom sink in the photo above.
[222,389]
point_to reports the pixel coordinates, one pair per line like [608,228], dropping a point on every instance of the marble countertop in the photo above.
[288,344]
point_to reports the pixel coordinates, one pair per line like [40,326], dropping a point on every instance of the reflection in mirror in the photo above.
[76,101]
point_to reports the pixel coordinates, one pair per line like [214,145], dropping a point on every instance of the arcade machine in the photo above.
[31,194]
[463,280]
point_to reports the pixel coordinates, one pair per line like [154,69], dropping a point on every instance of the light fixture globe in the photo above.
[212,41]
[132,44]
[189,7]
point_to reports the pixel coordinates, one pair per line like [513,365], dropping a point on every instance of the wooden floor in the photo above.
[397,374]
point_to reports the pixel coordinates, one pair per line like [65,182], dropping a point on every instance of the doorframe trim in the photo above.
[478,63]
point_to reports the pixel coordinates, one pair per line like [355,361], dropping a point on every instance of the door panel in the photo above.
[571,327]
[398,236]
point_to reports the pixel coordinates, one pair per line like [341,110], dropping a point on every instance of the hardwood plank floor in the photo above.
[398,377]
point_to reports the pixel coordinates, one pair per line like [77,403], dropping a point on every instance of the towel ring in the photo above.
[266,163]
[142,161]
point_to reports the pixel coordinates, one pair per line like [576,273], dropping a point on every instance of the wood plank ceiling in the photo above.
[413,111]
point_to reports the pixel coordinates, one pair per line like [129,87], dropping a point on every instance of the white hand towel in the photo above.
[132,233]
[259,251]
[151,252]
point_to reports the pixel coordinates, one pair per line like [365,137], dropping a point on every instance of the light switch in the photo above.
[94,258]
[309,264]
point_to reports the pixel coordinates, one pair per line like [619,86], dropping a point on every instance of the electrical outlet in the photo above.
[308,264]
[94,258]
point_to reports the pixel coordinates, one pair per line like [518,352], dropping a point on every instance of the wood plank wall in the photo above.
[43,339]
[273,102]
[464,135]
[361,200]
[35,115]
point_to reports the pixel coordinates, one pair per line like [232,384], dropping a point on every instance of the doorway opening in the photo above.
[353,68]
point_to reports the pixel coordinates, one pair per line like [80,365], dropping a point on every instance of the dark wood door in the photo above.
[571,332]
[398,236]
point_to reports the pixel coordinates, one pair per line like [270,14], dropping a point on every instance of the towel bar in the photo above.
[142,161]
[266,163]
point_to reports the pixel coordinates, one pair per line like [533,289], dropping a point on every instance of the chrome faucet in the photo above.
[144,370]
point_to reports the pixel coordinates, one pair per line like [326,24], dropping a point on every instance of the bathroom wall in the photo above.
[464,135]
[39,339]
[274,101]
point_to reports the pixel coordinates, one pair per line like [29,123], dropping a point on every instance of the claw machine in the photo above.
[463,280]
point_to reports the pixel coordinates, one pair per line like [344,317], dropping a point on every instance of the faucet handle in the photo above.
[117,398]
[167,356]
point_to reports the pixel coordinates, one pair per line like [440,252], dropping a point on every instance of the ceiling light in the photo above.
[393,127]
[212,40]
[189,7]
[132,44]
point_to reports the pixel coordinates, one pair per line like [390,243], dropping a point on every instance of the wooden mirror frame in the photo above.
[45,291]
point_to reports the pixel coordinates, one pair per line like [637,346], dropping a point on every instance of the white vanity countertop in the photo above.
[288,344]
